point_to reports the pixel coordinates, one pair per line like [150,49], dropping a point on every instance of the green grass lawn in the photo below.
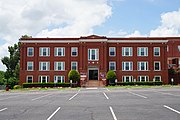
[144,86]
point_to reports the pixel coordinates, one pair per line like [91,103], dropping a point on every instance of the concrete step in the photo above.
[94,83]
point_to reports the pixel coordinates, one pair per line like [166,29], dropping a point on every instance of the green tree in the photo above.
[111,76]
[74,76]
[12,64]
[2,77]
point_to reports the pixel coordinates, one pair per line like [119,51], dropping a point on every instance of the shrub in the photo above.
[17,87]
[74,76]
[111,76]
[140,83]
[30,85]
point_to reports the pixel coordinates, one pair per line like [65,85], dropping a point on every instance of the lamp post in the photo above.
[172,80]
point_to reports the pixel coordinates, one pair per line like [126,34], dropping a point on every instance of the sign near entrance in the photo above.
[83,75]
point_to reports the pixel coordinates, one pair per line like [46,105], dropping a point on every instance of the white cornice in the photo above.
[137,41]
[93,40]
[49,41]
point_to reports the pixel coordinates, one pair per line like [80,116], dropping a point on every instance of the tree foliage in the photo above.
[111,75]
[74,76]
[12,64]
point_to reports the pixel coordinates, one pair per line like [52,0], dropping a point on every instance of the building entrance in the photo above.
[93,74]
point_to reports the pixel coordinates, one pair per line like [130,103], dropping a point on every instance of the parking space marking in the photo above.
[74,95]
[112,112]
[171,109]
[167,94]
[41,97]
[10,97]
[106,96]
[3,109]
[107,89]
[137,95]
[92,88]
[54,113]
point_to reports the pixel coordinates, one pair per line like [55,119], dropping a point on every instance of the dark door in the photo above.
[93,74]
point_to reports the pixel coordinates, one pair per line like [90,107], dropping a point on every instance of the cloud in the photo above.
[49,18]
[122,33]
[170,25]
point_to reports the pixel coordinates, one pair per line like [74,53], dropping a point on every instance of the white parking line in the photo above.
[167,94]
[3,109]
[105,95]
[107,89]
[10,97]
[40,97]
[74,95]
[137,95]
[92,88]
[54,113]
[171,109]
[112,112]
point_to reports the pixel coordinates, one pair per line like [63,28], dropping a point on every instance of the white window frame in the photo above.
[146,78]
[146,66]
[159,51]
[159,65]
[74,49]
[112,62]
[27,78]
[47,78]
[62,65]
[130,64]
[178,47]
[47,49]
[130,51]
[113,50]
[41,65]
[62,49]
[142,49]
[130,78]
[72,65]
[62,78]
[155,78]
[28,63]
[96,54]
[32,51]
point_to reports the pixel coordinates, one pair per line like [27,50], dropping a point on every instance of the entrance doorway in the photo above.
[93,74]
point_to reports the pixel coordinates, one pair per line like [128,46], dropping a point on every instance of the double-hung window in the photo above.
[126,51]
[30,66]
[59,51]
[93,54]
[157,78]
[74,51]
[142,66]
[112,65]
[29,79]
[127,66]
[44,51]
[58,79]
[59,66]
[74,66]
[157,65]
[143,78]
[44,79]
[127,78]
[112,51]
[44,66]
[156,51]
[142,51]
[30,51]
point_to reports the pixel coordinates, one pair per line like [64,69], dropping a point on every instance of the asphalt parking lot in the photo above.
[92,104]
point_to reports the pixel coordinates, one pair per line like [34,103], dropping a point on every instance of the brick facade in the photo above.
[98,48]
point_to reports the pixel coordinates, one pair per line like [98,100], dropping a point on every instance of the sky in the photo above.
[75,18]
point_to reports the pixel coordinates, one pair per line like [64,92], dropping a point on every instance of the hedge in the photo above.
[30,85]
[140,83]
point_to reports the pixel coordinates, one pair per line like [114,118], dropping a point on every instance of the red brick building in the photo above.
[133,59]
